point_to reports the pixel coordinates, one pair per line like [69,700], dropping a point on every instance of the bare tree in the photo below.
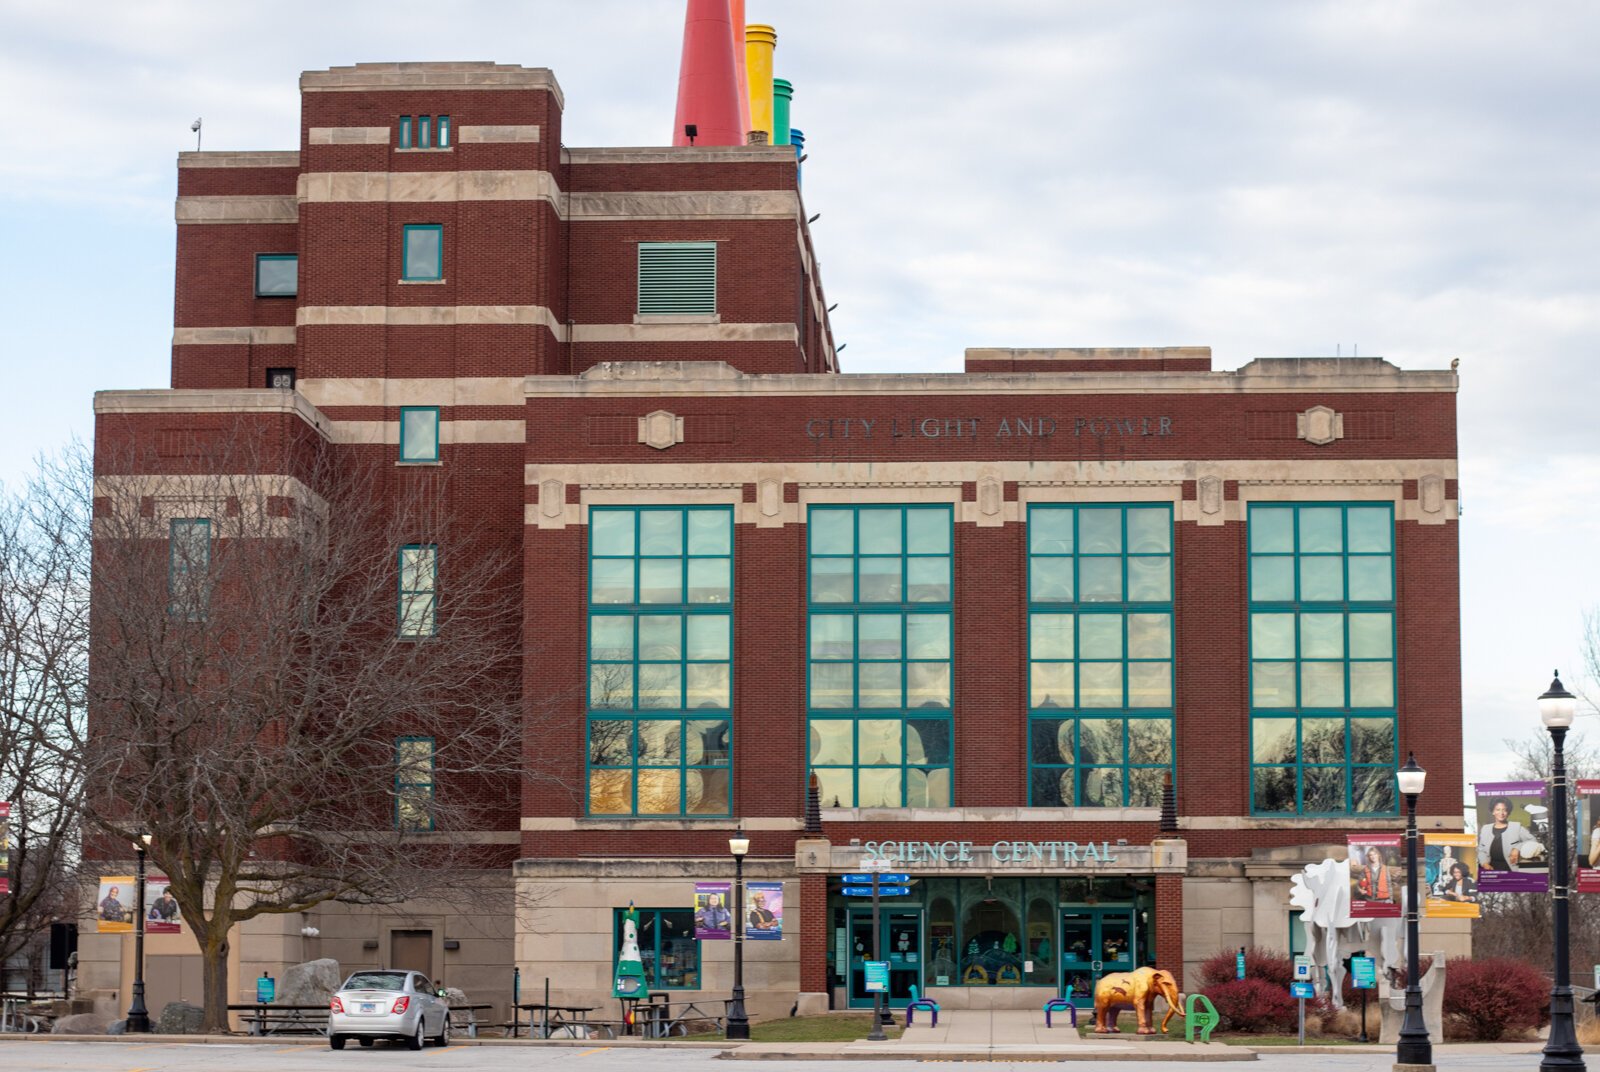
[44,612]
[305,678]
[1588,682]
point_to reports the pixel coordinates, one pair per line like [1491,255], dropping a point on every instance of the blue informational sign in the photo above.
[1302,990]
[1364,973]
[1238,965]
[266,988]
[877,973]
[883,891]
[860,879]
[858,891]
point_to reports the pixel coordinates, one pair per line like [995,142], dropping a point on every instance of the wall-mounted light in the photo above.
[815,218]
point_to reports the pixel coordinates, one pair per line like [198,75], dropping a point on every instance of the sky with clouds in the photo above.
[1416,179]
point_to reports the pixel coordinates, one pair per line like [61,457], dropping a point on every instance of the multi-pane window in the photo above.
[1322,667]
[677,277]
[879,693]
[419,572]
[667,946]
[660,691]
[419,433]
[422,251]
[277,275]
[188,567]
[424,132]
[413,783]
[1100,706]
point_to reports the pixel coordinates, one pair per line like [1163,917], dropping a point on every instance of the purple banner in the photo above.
[763,911]
[713,921]
[1513,837]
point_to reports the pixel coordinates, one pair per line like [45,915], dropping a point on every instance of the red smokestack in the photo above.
[708,78]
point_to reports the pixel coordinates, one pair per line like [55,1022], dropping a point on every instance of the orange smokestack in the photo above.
[708,77]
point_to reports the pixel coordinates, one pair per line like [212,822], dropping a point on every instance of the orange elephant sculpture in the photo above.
[1136,990]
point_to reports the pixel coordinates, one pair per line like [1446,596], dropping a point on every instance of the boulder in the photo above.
[180,1018]
[310,983]
[81,1023]
[117,1027]
[455,997]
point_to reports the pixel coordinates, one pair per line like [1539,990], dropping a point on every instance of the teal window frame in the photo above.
[652,940]
[915,740]
[418,599]
[656,660]
[409,413]
[405,250]
[188,596]
[424,132]
[443,130]
[1067,741]
[405,132]
[413,790]
[1332,744]
[271,258]
[677,279]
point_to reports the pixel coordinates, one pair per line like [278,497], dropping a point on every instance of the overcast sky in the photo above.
[1418,180]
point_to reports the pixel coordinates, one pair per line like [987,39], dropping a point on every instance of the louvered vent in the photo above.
[677,277]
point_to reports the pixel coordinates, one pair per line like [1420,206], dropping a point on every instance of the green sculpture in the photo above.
[1202,1020]
[1010,943]
[630,982]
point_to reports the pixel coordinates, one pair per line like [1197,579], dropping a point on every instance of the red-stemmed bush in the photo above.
[1266,964]
[1254,1005]
[1488,998]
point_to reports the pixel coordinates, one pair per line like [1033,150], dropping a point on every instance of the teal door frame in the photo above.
[905,967]
[1110,945]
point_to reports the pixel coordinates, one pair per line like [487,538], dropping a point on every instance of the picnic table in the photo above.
[470,1023]
[553,1018]
[660,1017]
[271,1018]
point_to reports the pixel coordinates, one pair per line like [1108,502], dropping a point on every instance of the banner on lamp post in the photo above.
[161,914]
[114,907]
[1450,870]
[1513,841]
[1588,836]
[763,911]
[713,920]
[1376,876]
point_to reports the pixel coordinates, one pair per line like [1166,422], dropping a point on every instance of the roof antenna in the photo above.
[1355,349]
[1338,349]
[195,126]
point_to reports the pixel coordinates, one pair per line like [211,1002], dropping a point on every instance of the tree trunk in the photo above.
[214,968]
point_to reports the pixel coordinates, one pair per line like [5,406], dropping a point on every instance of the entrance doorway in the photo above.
[902,948]
[1094,942]
[411,951]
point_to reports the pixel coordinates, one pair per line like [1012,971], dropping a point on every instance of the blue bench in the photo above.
[1061,1004]
[928,1005]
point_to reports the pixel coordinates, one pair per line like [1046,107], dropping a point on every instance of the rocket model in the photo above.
[630,982]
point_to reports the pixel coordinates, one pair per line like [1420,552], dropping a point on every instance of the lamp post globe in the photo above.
[1414,1047]
[1557,708]
[738,1021]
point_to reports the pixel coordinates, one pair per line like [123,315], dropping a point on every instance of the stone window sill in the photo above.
[677,318]
[422,282]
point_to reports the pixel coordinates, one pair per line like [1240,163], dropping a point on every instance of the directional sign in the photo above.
[883,891]
[1302,990]
[858,891]
[882,877]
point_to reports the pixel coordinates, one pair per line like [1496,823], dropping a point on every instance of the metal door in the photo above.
[902,948]
[1094,943]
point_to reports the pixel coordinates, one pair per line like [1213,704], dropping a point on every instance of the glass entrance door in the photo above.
[902,948]
[1094,942]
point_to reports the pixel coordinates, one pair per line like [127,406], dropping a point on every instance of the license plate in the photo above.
[369,1006]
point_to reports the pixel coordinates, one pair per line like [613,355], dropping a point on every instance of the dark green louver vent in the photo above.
[677,277]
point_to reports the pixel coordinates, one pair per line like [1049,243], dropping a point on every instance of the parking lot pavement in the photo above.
[27,1056]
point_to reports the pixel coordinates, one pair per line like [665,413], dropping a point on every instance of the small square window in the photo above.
[281,378]
[422,254]
[277,275]
[419,433]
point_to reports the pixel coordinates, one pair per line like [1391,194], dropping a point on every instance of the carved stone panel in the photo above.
[1430,489]
[991,495]
[1209,489]
[660,429]
[1319,425]
[769,497]
[552,498]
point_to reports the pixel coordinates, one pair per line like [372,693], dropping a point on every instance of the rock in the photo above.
[455,997]
[117,1027]
[310,983]
[180,1018]
[81,1023]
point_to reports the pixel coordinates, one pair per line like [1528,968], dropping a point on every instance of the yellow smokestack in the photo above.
[759,43]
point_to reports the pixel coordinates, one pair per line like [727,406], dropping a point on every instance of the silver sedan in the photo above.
[401,1006]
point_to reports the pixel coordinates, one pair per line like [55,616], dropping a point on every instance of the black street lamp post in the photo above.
[138,1015]
[738,1022]
[1561,1051]
[1414,1047]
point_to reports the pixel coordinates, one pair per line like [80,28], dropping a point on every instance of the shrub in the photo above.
[1254,1005]
[1268,965]
[1490,997]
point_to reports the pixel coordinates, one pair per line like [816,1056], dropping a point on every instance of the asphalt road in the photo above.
[20,1056]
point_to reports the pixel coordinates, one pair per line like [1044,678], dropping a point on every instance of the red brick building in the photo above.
[992,611]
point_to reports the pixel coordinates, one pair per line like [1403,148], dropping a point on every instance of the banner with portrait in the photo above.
[1513,842]
[763,911]
[5,847]
[1376,876]
[1450,871]
[161,914]
[114,907]
[1588,836]
[713,920]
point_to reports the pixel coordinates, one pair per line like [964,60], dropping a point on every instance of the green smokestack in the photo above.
[782,94]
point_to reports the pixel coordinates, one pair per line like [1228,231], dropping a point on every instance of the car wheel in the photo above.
[366,1042]
[415,1041]
[335,1042]
[443,1038]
